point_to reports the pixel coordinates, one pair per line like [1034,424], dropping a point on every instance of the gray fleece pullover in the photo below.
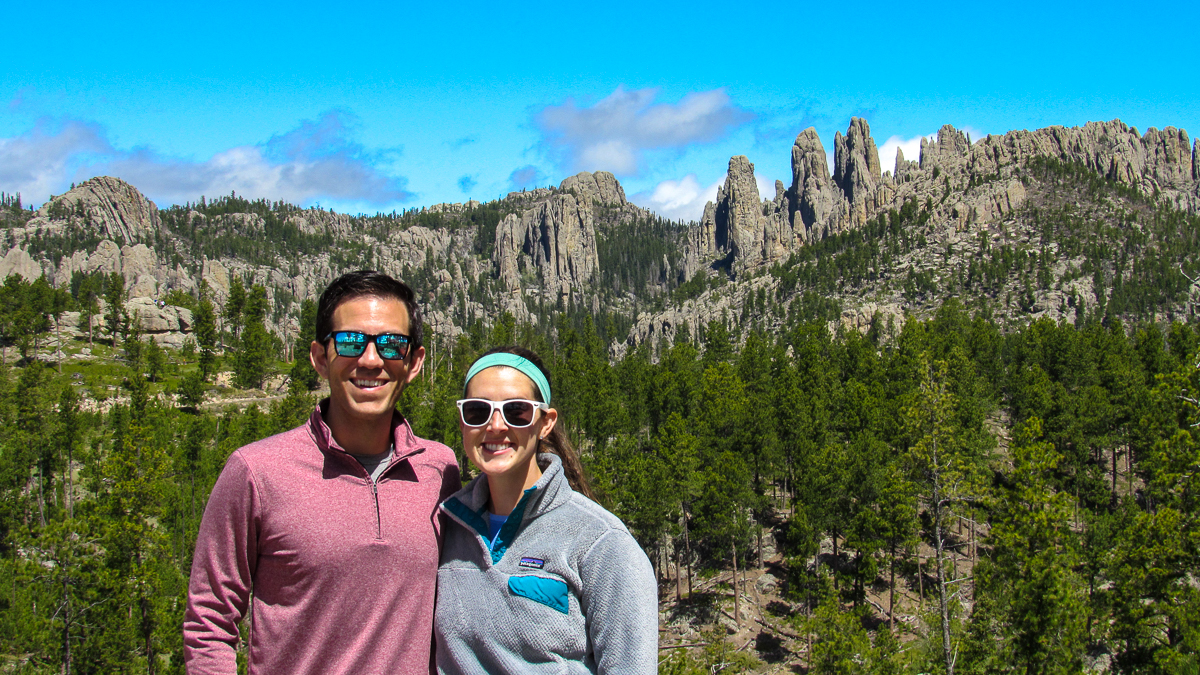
[564,589]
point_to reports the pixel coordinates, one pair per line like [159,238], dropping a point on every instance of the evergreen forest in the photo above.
[938,495]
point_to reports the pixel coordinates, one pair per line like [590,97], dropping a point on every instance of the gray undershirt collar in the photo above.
[376,464]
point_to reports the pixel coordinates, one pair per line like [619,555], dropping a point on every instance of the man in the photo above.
[328,534]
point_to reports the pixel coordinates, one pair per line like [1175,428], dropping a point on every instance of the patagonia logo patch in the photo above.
[536,563]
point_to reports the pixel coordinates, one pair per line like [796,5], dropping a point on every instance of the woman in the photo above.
[535,577]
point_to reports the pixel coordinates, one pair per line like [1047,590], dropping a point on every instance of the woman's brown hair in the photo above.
[556,442]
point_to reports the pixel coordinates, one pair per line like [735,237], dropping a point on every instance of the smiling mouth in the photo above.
[496,447]
[366,384]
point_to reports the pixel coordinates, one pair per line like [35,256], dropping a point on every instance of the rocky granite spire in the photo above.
[813,193]
[856,161]
[740,225]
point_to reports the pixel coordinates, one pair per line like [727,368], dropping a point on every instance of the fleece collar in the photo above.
[467,506]
[405,443]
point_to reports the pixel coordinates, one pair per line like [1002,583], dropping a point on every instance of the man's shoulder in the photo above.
[434,453]
[297,441]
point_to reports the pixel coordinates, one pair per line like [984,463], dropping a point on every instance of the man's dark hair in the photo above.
[368,283]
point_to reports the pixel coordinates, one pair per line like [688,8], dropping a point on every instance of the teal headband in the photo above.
[512,361]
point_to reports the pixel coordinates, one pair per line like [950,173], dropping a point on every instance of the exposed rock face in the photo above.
[453,208]
[600,186]
[904,168]
[555,238]
[738,210]
[18,261]
[813,193]
[317,221]
[115,207]
[559,237]
[510,244]
[947,153]
[856,166]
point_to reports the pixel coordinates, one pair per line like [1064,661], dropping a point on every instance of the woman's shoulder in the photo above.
[593,515]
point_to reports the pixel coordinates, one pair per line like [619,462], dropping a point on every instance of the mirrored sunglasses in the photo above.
[351,343]
[517,413]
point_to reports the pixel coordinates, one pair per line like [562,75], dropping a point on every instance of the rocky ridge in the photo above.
[545,250]
[818,204]
[534,251]
[969,187]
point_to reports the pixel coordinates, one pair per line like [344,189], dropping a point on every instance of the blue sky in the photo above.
[389,106]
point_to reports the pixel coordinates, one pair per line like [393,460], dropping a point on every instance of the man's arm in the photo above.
[621,597]
[222,572]
[451,481]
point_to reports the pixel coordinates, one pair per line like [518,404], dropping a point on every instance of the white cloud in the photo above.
[40,162]
[612,134]
[766,186]
[974,134]
[684,199]
[316,161]
[681,199]
[910,146]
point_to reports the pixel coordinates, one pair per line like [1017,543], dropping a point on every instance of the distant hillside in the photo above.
[1058,222]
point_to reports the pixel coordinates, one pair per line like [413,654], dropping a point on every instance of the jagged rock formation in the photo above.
[549,243]
[757,233]
[554,241]
[740,229]
[813,197]
[856,169]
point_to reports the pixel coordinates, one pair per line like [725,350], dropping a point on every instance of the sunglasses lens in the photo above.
[349,344]
[518,413]
[476,413]
[391,346]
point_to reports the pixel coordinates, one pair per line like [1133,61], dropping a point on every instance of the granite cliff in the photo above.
[981,179]
[582,246]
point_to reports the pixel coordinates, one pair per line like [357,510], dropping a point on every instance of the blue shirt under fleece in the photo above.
[562,587]
[495,522]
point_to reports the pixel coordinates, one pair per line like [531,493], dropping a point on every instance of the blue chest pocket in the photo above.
[549,592]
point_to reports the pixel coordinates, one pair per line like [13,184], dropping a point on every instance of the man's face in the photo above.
[364,389]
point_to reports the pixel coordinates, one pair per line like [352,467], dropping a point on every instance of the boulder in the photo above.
[18,261]
[106,258]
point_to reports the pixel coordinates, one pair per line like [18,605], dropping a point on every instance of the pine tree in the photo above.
[114,311]
[205,329]
[302,370]
[235,307]
[1029,614]
[254,351]
[949,478]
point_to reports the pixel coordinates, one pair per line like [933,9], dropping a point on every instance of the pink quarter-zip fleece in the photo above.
[338,573]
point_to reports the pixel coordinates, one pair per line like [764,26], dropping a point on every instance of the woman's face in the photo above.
[498,450]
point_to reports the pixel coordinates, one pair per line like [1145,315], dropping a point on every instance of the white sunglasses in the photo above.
[517,412]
